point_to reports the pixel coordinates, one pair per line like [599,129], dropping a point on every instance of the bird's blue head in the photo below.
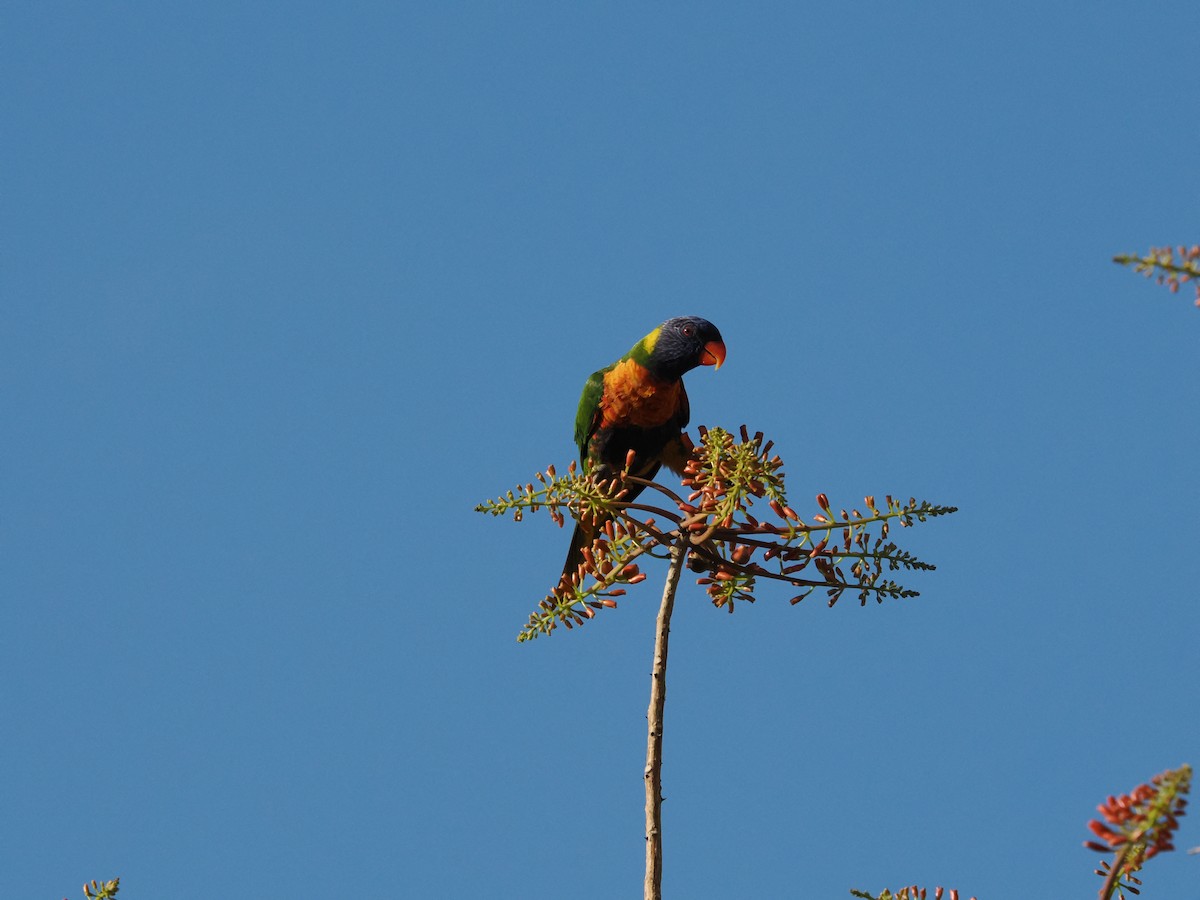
[679,345]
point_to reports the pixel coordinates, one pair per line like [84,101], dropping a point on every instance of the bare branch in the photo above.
[654,727]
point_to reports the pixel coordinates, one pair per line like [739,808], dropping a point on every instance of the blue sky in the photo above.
[288,289]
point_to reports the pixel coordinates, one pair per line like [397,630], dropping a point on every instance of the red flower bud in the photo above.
[1103,831]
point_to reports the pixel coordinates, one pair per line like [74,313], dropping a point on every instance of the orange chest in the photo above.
[633,398]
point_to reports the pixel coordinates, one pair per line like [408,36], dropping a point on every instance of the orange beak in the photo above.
[713,355]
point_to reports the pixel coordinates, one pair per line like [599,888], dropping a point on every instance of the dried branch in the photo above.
[654,727]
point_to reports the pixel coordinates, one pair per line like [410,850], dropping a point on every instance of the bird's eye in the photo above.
[688,330]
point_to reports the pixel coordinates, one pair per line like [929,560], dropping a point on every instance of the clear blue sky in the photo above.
[288,288]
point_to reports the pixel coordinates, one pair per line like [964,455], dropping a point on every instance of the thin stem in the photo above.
[654,719]
[1186,267]
[1114,874]
[661,488]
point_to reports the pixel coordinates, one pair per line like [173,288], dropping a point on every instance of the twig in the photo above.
[654,718]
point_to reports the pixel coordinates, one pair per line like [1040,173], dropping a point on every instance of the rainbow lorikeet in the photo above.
[638,403]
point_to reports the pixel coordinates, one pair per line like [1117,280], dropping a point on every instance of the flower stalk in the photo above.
[1168,266]
[732,543]
[1138,826]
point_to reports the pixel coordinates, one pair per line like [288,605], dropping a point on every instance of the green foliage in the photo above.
[1160,264]
[725,478]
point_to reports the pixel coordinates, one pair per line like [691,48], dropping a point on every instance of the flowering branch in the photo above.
[713,530]
[1161,265]
[725,478]
[1138,826]
[106,891]
[908,893]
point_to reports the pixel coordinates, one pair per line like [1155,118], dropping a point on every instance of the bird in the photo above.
[638,404]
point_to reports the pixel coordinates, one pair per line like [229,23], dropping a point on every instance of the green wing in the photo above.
[588,416]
